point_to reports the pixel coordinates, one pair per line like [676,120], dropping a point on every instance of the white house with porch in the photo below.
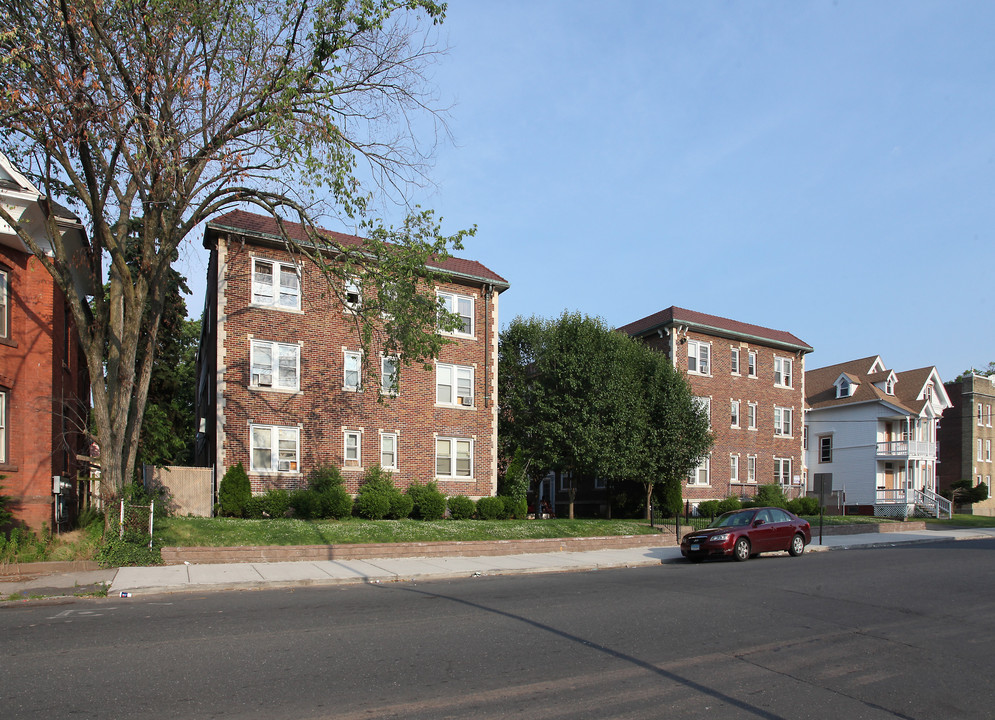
[870,436]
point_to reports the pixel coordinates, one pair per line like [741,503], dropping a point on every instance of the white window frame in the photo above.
[452,302]
[782,421]
[734,468]
[353,294]
[276,296]
[783,368]
[455,379]
[980,455]
[453,445]
[5,303]
[348,357]
[702,471]
[751,366]
[695,363]
[988,450]
[3,426]
[751,469]
[824,448]
[388,439]
[751,415]
[779,464]
[988,412]
[981,415]
[389,380]
[281,460]
[734,360]
[352,449]
[734,413]
[259,373]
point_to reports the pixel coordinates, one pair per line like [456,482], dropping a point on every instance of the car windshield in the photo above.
[740,518]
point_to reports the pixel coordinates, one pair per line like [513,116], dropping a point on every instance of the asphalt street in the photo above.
[897,632]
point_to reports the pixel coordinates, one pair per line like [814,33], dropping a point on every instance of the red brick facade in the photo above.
[762,455]
[329,417]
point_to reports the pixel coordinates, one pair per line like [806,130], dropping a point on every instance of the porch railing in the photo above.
[908,502]
[937,505]
[919,449]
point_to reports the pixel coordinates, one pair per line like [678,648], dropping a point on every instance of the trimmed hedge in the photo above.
[461,507]
[429,503]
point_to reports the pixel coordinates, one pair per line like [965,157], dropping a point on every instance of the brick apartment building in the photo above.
[751,381]
[966,433]
[279,386]
[44,386]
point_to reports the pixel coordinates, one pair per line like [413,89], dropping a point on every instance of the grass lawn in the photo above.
[966,521]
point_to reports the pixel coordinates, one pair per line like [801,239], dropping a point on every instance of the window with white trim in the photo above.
[843,389]
[352,451]
[734,361]
[988,450]
[699,354]
[453,457]
[734,468]
[461,305]
[928,392]
[274,448]
[751,468]
[751,367]
[782,421]
[979,449]
[981,415]
[988,408]
[782,471]
[352,376]
[805,438]
[454,384]
[782,371]
[388,375]
[353,294]
[275,284]
[275,365]
[701,475]
[734,413]
[5,304]
[388,451]
[3,426]
[825,448]
[751,415]
[705,404]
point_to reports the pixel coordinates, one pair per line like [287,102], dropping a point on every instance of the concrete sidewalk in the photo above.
[137,581]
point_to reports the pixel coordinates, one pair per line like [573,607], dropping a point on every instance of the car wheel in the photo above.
[742,550]
[797,545]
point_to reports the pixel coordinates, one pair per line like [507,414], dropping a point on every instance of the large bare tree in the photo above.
[148,117]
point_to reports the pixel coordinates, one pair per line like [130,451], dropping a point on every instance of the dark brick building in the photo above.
[966,434]
[280,387]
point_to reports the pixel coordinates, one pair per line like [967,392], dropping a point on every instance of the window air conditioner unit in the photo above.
[284,466]
[262,380]
[467,401]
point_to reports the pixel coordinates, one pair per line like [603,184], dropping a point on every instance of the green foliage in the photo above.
[708,508]
[305,503]
[672,502]
[804,506]
[130,550]
[429,503]
[378,498]
[332,502]
[515,481]
[461,507]
[235,492]
[965,492]
[728,505]
[490,508]
[768,496]
[5,513]
[514,508]
[21,546]
[325,477]
[89,516]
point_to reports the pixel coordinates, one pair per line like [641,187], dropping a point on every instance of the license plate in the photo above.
[695,546]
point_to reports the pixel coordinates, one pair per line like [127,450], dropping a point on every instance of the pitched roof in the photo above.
[265,227]
[821,389]
[712,323]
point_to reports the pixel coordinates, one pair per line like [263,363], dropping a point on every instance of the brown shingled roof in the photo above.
[822,392]
[680,316]
[265,226]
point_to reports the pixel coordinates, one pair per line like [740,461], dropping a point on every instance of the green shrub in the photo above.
[515,482]
[708,508]
[253,509]
[728,505]
[672,502]
[517,508]
[305,503]
[131,550]
[378,498]
[5,513]
[461,507]
[429,503]
[768,496]
[275,503]
[490,508]
[804,506]
[401,505]
[324,478]
[335,502]
[234,493]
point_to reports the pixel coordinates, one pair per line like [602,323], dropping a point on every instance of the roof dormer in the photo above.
[845,385]
[887,385]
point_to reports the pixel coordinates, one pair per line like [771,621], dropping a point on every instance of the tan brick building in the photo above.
[280,388]
[751,381]
[967,434]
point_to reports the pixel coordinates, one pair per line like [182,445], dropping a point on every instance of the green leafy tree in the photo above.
[990,370]
[150,118]
[234,491]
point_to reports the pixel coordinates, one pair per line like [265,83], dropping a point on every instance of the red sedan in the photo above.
[747,533]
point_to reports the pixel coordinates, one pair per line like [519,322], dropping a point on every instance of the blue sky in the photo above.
[825,168]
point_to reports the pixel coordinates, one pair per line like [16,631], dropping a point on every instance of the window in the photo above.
[734,413]
[4,304]
[826,449]
[988,450]
[782,371]
[453,457]
[459,305]
[353,294]
[352,375]
[981,414]
[805,438]
[698,354]
[979,449]
[274,448]
[388,451]
[388,375]
[353,448]
[454,384]
[751,468]
[751,415]
[889,386]
[751,359]
[843,390]
[928,392]
[734,468]
[988,411]
[705,404]
[3,426]
[734,361]
[275,284]
[700,475]
[275,365]
[782,421]
[782,471]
